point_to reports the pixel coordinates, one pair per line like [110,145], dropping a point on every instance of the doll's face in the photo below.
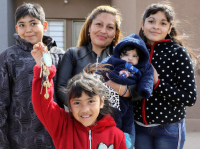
[156,27]
[131,56]
[85,109]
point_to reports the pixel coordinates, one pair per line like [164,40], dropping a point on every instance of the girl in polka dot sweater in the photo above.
[160,118]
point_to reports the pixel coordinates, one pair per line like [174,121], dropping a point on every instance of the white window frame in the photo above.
[73,30]
[64,31]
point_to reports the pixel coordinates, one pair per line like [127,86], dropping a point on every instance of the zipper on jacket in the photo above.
[97,61]
[90,139]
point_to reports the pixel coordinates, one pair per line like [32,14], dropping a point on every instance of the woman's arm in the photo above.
[117,88]
[130,90]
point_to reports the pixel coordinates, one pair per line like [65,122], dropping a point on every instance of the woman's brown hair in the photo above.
[84,39]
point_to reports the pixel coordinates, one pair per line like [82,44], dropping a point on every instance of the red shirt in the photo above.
[66,132]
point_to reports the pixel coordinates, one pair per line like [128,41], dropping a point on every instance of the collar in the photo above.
[99,126]
[27,46]
[158,42]
[108,50]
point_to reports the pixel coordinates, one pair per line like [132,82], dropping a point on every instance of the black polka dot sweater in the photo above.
[175,89]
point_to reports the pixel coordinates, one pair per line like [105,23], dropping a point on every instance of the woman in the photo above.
[100,32]
[160,118]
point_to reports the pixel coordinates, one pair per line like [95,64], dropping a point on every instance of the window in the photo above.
[76,27]
[57,30]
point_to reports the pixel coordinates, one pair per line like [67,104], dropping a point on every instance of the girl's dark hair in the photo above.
[170,15]
[31,9]
[90,83]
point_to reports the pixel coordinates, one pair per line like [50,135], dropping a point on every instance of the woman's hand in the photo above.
[155,75]
[116,87]
[37,52]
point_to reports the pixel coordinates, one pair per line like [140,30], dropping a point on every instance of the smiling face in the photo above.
[85,109]
[156,27]
[131,57]
[31,29]
[102,30]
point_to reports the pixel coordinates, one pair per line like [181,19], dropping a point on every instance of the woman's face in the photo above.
[102,30]
[156,27]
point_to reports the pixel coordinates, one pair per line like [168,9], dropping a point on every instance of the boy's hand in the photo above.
[37,52]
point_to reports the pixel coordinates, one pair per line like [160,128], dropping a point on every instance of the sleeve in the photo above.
[65,70]
[50,114]
[183,91]
[122,144]
[145,85]
[133,91]
[5,92]
[128,119]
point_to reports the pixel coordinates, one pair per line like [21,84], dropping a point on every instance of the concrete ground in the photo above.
[192,140]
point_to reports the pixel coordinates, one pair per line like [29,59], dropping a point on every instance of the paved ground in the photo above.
[192,140]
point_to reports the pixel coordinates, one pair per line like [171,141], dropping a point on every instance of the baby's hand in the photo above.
[37,52]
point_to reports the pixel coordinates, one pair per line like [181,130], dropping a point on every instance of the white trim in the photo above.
[59,32]
[74,43]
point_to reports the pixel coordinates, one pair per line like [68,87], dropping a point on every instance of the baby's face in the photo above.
[131,57]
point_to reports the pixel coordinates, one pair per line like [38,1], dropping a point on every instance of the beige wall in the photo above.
[129,15]
[73,10]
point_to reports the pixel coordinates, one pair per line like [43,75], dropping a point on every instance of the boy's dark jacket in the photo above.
[144,77]
[19,125]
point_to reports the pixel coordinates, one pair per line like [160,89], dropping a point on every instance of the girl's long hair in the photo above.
[170,15]
[84,38]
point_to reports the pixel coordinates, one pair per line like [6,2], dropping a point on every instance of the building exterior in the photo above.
[65,18]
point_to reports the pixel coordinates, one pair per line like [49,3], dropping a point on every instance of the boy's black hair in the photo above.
[31,9]
[129,48]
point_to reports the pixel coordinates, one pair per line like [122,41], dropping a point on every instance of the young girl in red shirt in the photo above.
[88,125]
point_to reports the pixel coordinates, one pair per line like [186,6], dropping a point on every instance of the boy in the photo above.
[130,65]
[19,125]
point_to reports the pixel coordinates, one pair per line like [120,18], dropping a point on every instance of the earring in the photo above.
[113,40]
[89,34]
